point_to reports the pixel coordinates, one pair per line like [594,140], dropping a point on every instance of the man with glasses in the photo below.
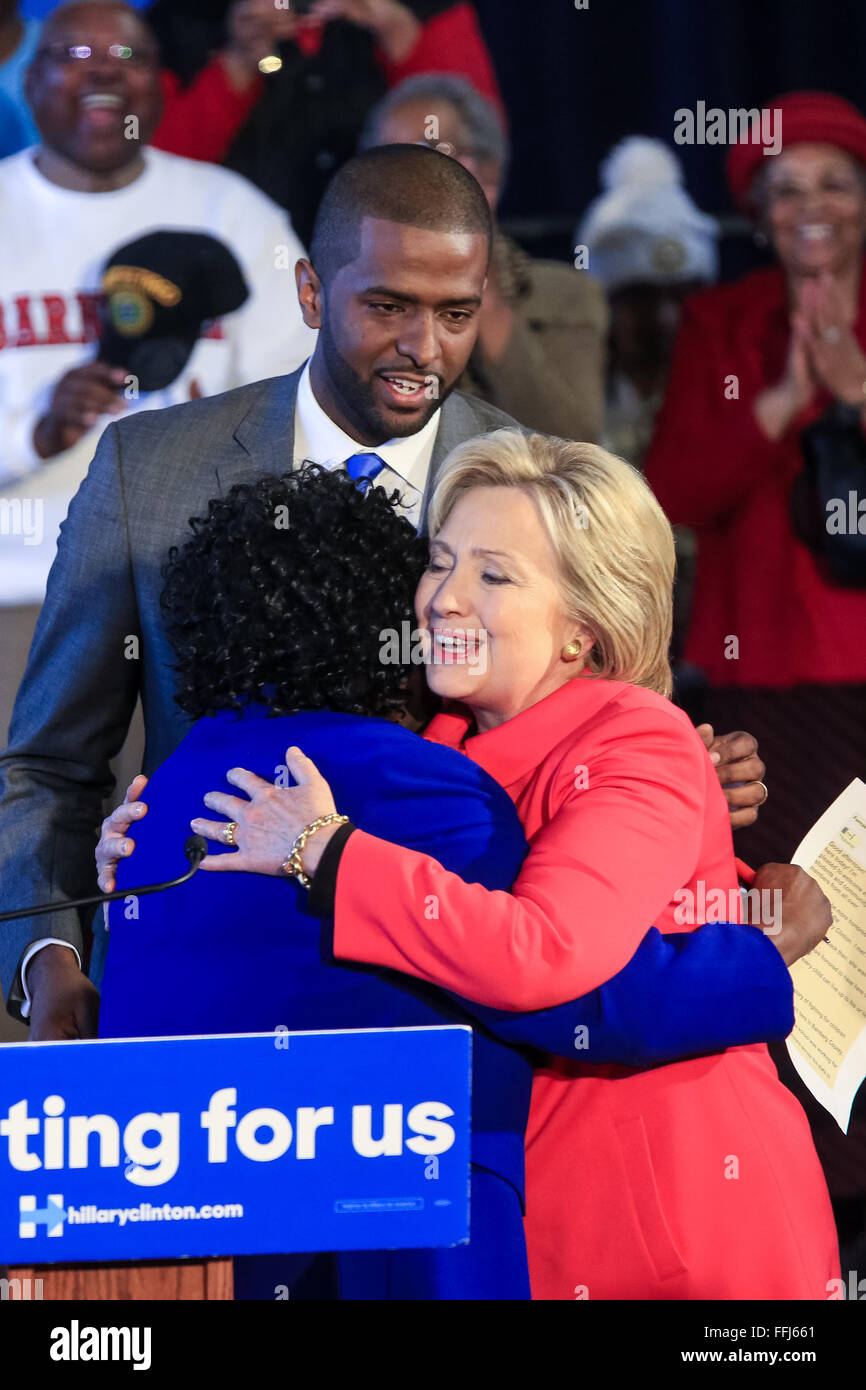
[94,89]
[92,186]
[202,113]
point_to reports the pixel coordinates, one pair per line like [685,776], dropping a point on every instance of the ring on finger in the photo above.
[227,834]
[766,790]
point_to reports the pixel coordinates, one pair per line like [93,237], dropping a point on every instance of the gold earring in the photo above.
[572,651]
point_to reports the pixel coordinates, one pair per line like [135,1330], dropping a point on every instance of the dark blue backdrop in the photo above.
[576,81]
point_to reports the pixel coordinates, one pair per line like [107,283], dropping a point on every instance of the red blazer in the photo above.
[693,1180]
[712,468]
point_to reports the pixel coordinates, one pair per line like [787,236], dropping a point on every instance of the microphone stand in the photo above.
[195,850]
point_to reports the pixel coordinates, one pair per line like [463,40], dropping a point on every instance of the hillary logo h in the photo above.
[51,1216]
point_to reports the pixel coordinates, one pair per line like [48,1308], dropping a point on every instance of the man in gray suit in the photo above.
[394,283]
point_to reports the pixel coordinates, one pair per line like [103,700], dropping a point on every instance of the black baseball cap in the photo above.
[159,291]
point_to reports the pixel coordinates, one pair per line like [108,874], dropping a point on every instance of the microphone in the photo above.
[195,850]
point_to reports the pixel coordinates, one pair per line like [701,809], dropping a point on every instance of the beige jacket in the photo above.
[551,375]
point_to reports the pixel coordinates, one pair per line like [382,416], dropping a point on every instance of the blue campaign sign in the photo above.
[246,1144]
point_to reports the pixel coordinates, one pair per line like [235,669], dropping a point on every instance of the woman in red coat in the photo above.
[547,611]
[781,641]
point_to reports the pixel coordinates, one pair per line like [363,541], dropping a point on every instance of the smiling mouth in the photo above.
[101,101]
[451,648]
[407,390]
[815,231]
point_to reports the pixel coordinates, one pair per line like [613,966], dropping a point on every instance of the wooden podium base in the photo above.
[190,1280]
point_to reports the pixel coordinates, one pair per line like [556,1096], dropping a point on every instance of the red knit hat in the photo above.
[807,118]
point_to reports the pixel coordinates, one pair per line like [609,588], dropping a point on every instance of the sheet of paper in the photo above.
[828,1044]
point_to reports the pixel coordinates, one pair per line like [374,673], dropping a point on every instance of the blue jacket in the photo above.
[242,952]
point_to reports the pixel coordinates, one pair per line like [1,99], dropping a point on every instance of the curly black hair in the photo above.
[283,591]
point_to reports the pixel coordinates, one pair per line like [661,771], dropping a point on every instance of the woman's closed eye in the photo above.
[437,567]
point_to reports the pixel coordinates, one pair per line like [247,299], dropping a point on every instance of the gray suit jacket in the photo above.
[100,639]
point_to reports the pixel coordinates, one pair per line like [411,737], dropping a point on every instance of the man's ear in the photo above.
[311,295]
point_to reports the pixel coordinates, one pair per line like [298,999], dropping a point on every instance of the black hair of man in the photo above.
[409,184]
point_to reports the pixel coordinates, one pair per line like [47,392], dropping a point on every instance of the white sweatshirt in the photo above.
[54,244]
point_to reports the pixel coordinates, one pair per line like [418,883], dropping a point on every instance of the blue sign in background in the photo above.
[362,1142]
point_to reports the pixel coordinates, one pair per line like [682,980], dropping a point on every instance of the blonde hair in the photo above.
[612,542]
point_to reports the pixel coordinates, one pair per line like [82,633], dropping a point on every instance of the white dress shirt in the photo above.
[407,460]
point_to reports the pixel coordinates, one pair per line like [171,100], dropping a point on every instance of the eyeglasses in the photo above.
[81,52]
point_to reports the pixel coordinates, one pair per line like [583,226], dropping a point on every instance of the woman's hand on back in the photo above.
[270,820]
[114,842]
[740,771]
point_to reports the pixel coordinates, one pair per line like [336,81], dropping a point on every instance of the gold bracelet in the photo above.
[291,865]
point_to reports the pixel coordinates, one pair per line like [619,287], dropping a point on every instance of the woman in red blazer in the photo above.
[780,640]
[547,610]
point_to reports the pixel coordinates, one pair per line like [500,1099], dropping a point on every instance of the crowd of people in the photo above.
[252,259]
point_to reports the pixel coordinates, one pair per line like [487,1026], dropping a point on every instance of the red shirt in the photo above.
[626,1189]
[712,468]
[449,42]
[201,121]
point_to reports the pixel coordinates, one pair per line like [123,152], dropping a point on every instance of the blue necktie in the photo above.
[363,468]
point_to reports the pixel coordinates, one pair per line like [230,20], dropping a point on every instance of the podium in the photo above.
[188,1280]
[134,1169]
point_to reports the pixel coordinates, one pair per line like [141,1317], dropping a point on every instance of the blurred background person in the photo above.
[94,177]
[651,247]
[309,76]
[757,362]
[65,207]
[198,120]
[767,370]
[540,349]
